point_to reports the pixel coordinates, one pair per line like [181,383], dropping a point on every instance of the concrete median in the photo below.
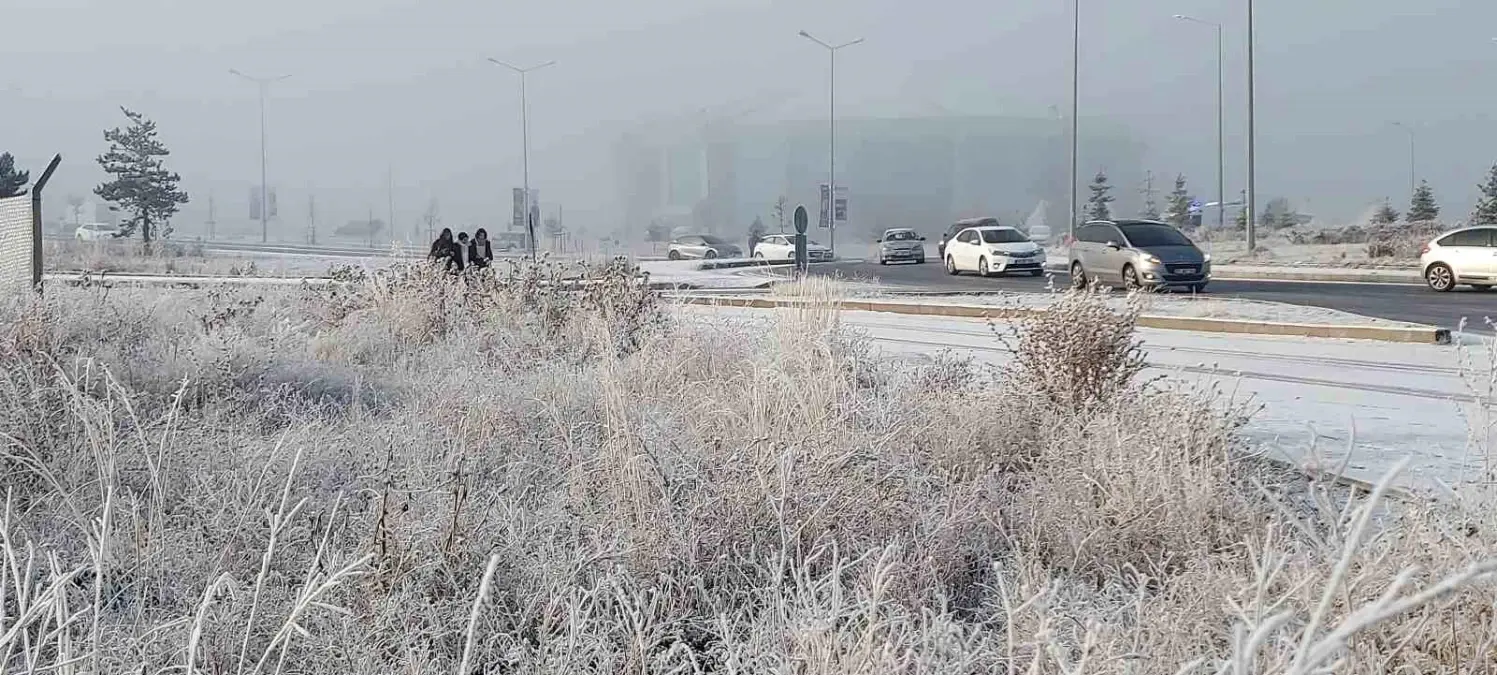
[1407,334]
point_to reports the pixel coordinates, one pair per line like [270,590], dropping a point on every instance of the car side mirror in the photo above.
[878,241]
[922,239]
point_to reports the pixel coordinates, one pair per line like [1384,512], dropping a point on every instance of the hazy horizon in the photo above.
[391,83]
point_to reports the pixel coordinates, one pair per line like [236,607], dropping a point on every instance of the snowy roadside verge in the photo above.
[1385,332]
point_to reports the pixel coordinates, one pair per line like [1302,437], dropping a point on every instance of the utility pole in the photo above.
[1252,132]
[1075,112]
[1150,206]
[390,195]
[525,144]
[1221,164]
[1413,184]
[831,188]
[369,225]
[263,83]
[212,220]
[312,219]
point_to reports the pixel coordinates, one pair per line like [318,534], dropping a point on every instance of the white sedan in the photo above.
[96,232]
[781,247]
[993,250]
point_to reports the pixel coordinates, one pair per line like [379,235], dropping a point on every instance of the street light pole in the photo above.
[1075,111]
[831,188]
[525,145]
[1413,183]
[1221,133]
[263,83]
[1252,133]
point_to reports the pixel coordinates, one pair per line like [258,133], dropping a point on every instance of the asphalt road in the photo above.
[1395,302]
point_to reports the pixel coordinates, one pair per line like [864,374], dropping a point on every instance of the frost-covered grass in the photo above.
[420,474]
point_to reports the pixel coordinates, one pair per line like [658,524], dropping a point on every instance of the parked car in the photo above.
[1137,254]
[901,244]
[781,247]
[956,227]
[1466,256]
[702,246]
[96,232]
[993,250]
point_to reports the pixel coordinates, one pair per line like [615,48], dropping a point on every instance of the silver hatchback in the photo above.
[1137,254]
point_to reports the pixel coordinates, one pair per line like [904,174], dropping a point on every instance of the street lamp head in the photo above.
[804,34]
[1182,17]
[854,42]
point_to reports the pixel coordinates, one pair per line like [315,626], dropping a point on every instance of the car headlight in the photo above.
[1153,260]
[1207,258]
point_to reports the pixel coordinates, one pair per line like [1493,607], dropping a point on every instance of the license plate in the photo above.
[1185,270]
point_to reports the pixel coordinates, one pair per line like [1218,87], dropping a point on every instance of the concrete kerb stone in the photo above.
[1335,275]
[1407,334]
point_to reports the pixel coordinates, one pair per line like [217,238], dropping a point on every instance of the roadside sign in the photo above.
[801,222]
[832,208]
[1195,206]
[825,219]
[517,221]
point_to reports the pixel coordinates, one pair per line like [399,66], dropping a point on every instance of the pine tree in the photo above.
[1179,204]
[1486,207]
[1385,214]
[12,182]
[1422,207]
[142,187]
[1098,206]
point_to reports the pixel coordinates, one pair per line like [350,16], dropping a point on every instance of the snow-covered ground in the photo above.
[1323,401]
[690,272]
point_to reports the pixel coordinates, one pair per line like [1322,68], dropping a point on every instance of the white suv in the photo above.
[1467,256]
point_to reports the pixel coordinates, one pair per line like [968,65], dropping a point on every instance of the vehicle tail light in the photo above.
[1425,250]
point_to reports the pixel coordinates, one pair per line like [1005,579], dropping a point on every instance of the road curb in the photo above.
[1404,334]
[1227,273]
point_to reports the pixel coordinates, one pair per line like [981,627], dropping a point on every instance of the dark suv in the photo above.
[957,227]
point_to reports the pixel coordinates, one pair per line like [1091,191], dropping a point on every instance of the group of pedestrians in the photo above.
[461,253]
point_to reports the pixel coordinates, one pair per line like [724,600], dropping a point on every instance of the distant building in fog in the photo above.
[906,172]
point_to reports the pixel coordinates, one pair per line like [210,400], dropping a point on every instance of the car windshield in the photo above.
[1003,236]
[901,235]
[1144,235]
[713,241]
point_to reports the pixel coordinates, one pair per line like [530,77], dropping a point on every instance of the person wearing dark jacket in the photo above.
[446,251]
[480,253]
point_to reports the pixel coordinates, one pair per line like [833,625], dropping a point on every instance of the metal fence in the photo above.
[15,241]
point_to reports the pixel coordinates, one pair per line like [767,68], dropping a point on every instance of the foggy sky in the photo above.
[381,83]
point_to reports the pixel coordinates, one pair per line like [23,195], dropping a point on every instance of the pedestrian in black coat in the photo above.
[480,252]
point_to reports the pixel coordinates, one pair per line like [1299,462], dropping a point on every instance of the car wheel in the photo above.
[1130,278]
[1198,288]
[982,268]
[674,255]
[951,266]
[1440,277]
[882,261]
[710,254]
[1078,276]
[920,260]
[1037,273]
